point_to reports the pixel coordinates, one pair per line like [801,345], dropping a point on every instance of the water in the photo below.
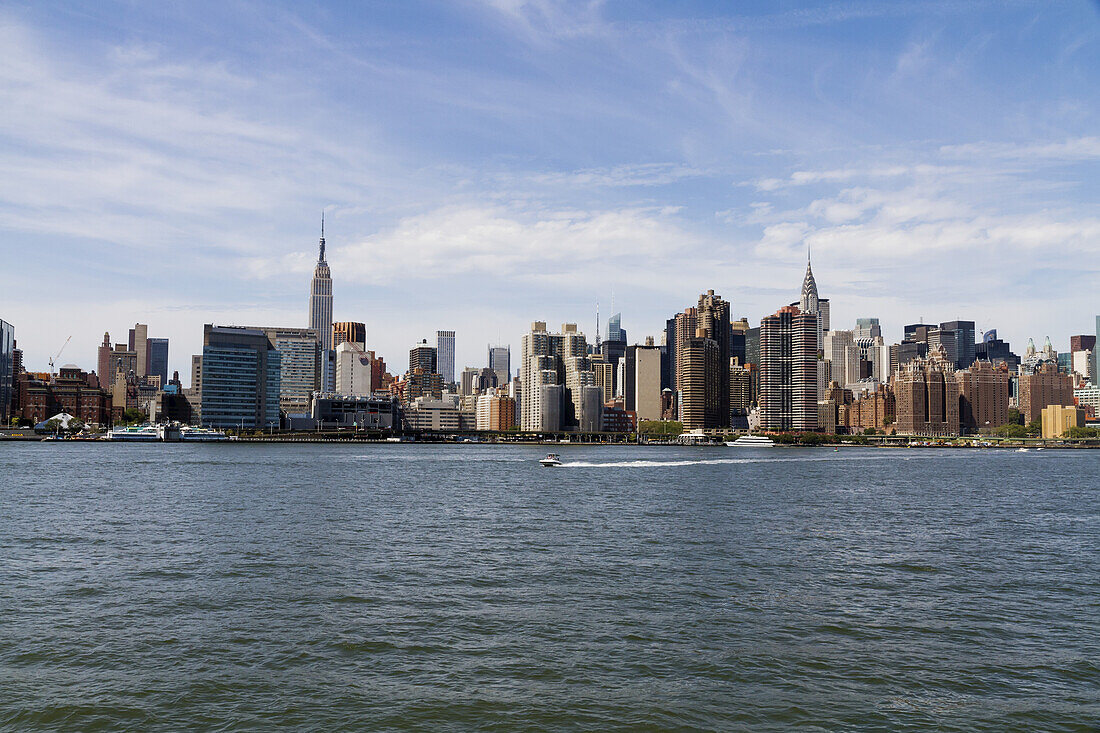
[401,587]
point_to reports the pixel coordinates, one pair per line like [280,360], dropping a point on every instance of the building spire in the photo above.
[321,258]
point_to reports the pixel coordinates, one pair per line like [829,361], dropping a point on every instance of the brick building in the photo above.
[1047,386]
[927,396]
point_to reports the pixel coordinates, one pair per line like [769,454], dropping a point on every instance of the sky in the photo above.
[483,164]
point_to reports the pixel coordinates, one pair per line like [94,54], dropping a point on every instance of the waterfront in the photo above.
[451,587]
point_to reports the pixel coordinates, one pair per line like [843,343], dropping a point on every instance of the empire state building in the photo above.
[320,297]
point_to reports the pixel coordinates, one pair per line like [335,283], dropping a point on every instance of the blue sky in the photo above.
[484,164]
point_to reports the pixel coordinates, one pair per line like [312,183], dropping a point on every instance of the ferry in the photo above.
[751,441]
[135,434]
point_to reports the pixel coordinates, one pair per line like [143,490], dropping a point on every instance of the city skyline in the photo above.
[915,166]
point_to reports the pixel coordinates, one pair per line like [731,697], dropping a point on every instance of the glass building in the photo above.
[445,355]
[241,377]
[157,354]
[7,368]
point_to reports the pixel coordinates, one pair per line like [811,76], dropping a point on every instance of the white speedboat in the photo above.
[751,441]
[551,460]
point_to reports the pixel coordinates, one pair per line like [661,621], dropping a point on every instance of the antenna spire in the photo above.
[321,258]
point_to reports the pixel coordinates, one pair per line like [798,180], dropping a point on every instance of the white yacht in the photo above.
[551,459]
[751,441]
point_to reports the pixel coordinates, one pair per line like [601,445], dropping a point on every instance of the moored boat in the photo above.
[751,441]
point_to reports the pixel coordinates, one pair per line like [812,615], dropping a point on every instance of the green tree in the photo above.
[1081,433]
[1011,430]
[1015,417]
[869,431]
[1035,427]
[75,426]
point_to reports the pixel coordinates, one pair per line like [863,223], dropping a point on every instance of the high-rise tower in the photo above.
[320,297]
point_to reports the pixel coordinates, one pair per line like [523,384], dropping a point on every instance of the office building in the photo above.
[445,355]
[842,357]
[867,328]
[139,344]
[615,331]
[7,371]
[1042,387]
[301,367]
[647,382]
[419,383]
[1057,419]
[1096,360]
[811,303]
[241,378]
[352,332]
[1081,364]
[984,394]
[353,369]
[156,354]
[789,370]
[320,296]
[927,396]
[996,351]
[1082,342]
[738,334]
[500,361]
[963,338]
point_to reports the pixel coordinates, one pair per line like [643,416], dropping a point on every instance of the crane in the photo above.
[58,354]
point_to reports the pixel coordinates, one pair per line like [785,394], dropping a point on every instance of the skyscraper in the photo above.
[500,361]
[964,341]
[139,344]
[789,370]
[7,369]
[615,331]
[984,392]
[320,296]
[445,355]
[423,356]
[811,303]
[240,378]
[157,359]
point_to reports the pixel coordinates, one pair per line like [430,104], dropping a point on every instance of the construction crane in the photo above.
[58,354]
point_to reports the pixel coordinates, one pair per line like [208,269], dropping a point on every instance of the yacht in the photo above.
[551,459]
[751,441]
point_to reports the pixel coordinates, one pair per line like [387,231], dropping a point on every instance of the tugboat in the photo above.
[551,460]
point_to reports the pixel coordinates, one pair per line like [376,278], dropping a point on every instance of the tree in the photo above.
[869,431]
[1011,430]
[1015,417]
[1035,427]
[53,425]
[1081,433]
[75,425]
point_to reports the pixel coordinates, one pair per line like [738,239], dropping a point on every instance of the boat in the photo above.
[751,441]
[201,435]
[1022,450]
[551,459]
[135,434]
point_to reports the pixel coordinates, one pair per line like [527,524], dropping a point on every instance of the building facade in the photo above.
[352,332]
[241,378]
[353,370]
[500,361]
[7,371]
[984,394]
[1057,419]
[789,370]
[1046,386]
[445,355]
[927,396]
